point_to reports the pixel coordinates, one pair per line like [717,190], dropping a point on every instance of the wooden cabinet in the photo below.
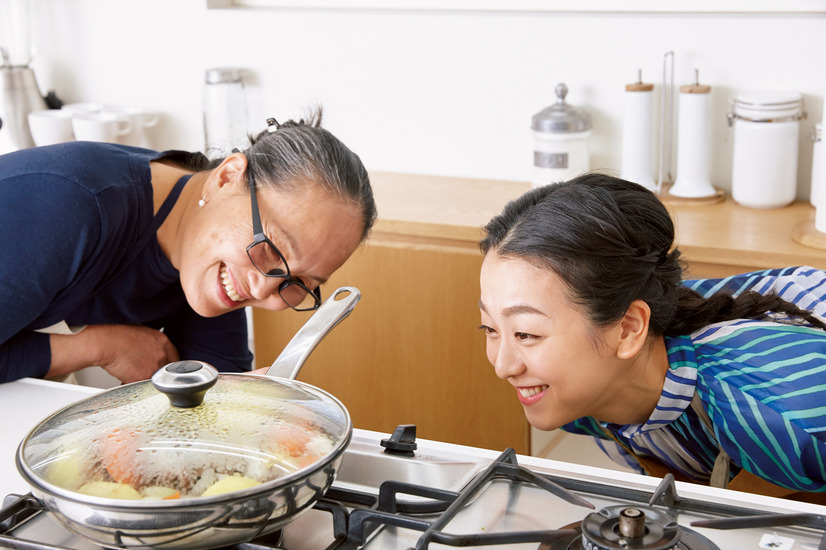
[411,351]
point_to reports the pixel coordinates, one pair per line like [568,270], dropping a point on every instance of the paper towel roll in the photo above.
[694,143]
[637,135]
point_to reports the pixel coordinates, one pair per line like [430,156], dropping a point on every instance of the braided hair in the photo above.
[611,242]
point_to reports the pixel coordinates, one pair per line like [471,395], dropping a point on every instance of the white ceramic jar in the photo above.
[818,170]
[561,134]
[766,143]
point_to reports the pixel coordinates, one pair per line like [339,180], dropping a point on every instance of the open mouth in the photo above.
[229,288]
[531,394]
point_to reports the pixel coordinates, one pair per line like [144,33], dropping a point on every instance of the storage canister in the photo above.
[225,111]
[766,142]
[818,170]
[561,133]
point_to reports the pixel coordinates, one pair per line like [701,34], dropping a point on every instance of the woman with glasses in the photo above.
[587,317]
[129,259]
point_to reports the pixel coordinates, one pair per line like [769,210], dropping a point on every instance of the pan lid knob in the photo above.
[185,383]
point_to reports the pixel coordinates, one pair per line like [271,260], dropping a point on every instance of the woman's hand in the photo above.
[128,352]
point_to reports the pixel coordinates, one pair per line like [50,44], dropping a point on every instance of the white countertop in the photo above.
[23,405]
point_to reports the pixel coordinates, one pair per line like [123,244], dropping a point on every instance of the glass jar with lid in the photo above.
[226,118]
[561,133]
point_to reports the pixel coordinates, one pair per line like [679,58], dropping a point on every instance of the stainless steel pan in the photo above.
[285,436]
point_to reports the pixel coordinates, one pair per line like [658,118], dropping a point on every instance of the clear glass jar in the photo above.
[226,117]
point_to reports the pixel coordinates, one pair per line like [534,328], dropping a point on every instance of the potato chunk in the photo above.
[229,484]
[109,489]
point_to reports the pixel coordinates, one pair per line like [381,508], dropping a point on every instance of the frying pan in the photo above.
[193,459]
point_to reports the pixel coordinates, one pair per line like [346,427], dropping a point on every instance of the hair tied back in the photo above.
[272,125]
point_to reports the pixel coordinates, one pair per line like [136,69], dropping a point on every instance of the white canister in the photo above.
[561,134]
[818,188]
[766,142]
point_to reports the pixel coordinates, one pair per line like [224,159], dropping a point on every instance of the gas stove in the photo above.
[434,495]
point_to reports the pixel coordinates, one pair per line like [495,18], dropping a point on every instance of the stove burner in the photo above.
[649,530]
[630,527]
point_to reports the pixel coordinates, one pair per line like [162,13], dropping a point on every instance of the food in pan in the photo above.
[127,463]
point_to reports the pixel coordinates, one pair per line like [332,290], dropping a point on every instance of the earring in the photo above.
[202,202]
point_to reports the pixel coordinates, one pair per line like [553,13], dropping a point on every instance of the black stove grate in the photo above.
[355,516]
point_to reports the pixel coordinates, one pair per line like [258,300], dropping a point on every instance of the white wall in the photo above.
[424,92]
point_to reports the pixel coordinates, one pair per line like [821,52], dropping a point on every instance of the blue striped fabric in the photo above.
[763,383]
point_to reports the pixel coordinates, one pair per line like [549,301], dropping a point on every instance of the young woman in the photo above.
[587,317]
[128,259]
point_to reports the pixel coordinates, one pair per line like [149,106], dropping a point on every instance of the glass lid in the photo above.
[135,442]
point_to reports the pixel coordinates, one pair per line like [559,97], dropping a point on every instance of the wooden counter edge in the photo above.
[449,213]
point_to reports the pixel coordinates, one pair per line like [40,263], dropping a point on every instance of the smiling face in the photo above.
[561,365]
[314,230]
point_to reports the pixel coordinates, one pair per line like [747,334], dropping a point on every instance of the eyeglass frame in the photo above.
[259,237]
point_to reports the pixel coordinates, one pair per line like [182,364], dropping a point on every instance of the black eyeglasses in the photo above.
[267,259]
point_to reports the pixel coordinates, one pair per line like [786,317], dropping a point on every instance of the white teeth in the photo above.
[228,288]
[527,392]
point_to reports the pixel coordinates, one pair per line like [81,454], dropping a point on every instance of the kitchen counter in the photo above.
[447,211]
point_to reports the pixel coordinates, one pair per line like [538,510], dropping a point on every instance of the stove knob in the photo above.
[402,442]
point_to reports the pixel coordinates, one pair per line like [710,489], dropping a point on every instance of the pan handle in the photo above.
[330,313]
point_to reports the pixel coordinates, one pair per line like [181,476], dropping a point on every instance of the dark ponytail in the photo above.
[695,312]
[611,242]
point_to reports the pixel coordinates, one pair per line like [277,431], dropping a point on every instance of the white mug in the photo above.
[51,126]
[84,107]
[107,127]
[140,119]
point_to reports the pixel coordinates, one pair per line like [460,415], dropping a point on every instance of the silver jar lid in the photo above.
[223,75]
[768,107]
[561,117]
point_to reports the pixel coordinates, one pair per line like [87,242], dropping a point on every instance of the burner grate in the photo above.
[814,521]
[358,519]
[362,522]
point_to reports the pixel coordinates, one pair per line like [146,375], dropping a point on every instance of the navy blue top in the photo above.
[80,245]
